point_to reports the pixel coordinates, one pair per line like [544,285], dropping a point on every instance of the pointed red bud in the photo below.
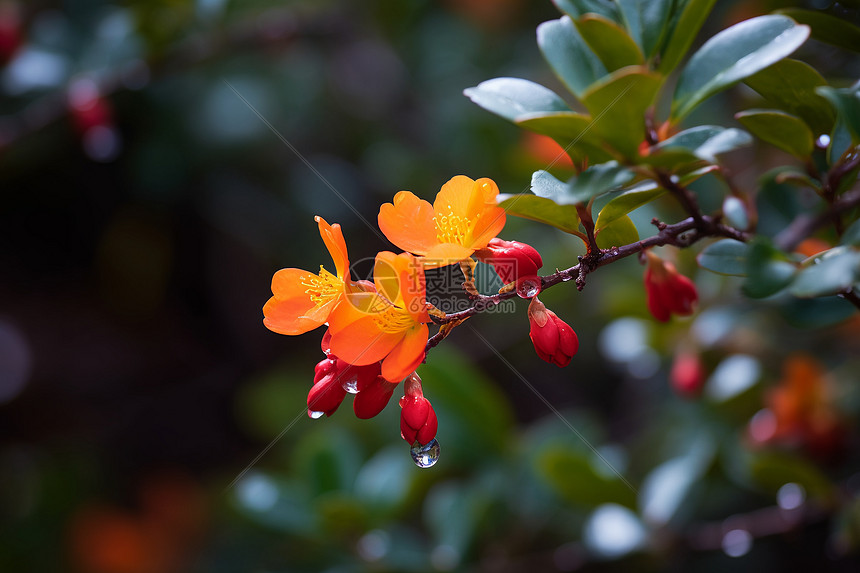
[512,260]
[554,340]
[687,375]
[418,421]
[373,395]
[327,392]
[667,290]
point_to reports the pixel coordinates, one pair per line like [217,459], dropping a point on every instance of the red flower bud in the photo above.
[373,395]
[687,375]
[418,421]
[554,340]
[667,290]
[327,392]
[511,259]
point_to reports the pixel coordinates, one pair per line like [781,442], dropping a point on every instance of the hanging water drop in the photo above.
[351,385]
[427,455]
[528,288]
[315,415]
[566,277]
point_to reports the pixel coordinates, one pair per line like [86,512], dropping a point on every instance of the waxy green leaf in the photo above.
[732,55]
[609,41]
[511,98]
[832,272]
[646,21]
[618,233]
[579,8]
[703,142]
[571,130]
[542,210]
[847,104]
[780,129]
[682,31]
[790,85]
[826,28]
[597,180]
[725,257]
[768,270]
[618,104]
[568,55]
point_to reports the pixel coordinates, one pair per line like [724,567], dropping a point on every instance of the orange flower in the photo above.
[463,218]
[303,300]
[389,324]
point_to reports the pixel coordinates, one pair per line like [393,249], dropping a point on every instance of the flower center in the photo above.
[452,228]
[393,319]
[323,288]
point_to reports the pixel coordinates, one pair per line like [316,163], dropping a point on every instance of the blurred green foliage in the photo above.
[146,206]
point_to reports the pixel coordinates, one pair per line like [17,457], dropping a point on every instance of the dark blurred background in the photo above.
[161,159]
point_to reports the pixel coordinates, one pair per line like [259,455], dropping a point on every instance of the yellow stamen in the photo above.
[323,288]
[393,319]
[452,228]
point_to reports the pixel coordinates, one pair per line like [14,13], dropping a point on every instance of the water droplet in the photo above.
[566,277]
[427,455]
[823,140]
[528,288]
[737,543]
[351,384]
[315,415]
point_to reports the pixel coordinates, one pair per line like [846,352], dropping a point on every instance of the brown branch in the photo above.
[851,296]
[684,197]
[681,234]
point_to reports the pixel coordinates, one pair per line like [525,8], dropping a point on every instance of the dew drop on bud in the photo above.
[351,385]
[315,415]
[528,288]
[427,455]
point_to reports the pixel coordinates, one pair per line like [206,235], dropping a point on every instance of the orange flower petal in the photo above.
[386,276]
[413,288]
[290,310]
[445,254]
[332,236]
[408,223]
[361,342]
[406,356]
[455,197]
[489,220]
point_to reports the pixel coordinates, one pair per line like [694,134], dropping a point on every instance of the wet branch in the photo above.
[681,234]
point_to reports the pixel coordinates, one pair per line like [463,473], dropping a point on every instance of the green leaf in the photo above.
[832,272]
[847,104]
[618,104]
[790,85]
[732,55]
[597,180]
[646,21]
[568,55]
[735,213]
[829,29]
[725,257]
[574,476]
[609,41]
[579,8]
[794,176]
[511,98]
[851,236]
[780,129]
[683,32]
[627,202]
[571,130]
[841,140]
[768,270]
[638,196]
[547,205]
[703,142]
[618,233]
[816,312]
[546,211]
